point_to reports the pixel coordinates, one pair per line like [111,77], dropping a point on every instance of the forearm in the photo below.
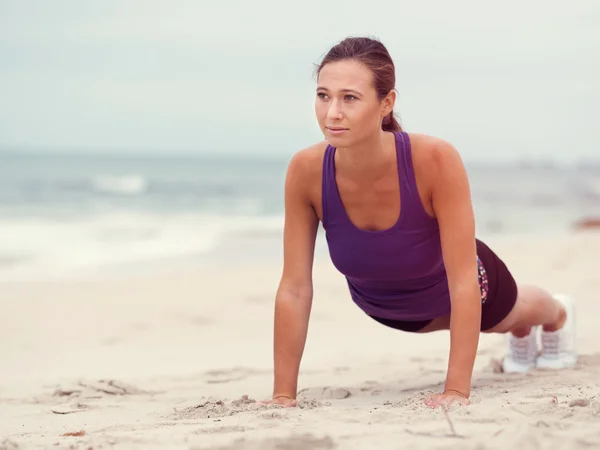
[465,323]
[291,325]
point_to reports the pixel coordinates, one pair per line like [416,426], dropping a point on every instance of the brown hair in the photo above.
[373,54]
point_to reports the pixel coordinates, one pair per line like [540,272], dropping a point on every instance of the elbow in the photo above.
[303,291]
[465,290]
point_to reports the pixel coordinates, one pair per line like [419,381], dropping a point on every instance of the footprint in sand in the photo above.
[325,392]
[96,389]
[212,408]
[207,409]
[373,387]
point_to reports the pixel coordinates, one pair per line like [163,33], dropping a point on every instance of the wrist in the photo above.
[457,391]
[458,388]
[283,395]
[285,386]
[459,380]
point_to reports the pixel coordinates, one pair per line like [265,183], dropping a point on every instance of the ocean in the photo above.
[64,216]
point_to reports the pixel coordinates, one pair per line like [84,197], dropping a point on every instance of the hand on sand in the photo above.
[287,402]
[446,399]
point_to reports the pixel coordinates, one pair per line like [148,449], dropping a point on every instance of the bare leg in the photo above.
[535,306]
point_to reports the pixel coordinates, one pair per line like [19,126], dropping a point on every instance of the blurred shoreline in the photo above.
[240,254]
[67,217]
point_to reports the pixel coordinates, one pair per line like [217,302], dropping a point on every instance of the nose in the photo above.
[335,111]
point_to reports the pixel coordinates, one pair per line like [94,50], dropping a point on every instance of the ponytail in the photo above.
[390,123]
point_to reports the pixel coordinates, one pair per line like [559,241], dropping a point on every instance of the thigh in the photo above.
[519,315]
[529,301]
[502,290]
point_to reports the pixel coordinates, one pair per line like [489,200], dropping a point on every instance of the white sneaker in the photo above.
[559,349]
[522,352]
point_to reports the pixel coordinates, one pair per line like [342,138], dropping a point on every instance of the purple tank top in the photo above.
[397,273]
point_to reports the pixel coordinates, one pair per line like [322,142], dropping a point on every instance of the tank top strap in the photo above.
[328,186]
[406,172]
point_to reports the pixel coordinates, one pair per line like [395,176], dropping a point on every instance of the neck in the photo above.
[367,157]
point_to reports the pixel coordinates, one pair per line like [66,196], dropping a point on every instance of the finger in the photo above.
[431,400]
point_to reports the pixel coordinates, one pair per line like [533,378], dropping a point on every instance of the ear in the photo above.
[387,104]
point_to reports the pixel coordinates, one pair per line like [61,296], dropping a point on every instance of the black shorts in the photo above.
[497,302]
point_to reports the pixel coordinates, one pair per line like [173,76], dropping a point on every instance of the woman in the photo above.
[399,224]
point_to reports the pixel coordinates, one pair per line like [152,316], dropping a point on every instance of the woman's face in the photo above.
[347,107]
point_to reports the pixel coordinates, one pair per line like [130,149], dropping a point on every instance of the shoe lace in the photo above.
[554,344]
[522,349]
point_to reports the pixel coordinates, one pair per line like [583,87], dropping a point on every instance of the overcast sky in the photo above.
[517,78]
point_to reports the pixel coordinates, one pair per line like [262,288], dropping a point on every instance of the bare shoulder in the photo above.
[432,150]
[434,158]
[305,169]
[308,160]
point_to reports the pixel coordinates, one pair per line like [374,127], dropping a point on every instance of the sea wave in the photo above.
[122,185]
[33,248]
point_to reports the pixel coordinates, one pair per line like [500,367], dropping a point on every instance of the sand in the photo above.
[177,360]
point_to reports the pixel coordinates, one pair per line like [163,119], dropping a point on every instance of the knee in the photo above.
[521,331]
[536,306]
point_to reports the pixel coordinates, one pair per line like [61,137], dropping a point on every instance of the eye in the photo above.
[350,98]
[322,95]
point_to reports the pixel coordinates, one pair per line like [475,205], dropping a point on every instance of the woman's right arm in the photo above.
[295,292]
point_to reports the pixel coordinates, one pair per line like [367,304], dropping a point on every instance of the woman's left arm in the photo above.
[451,200]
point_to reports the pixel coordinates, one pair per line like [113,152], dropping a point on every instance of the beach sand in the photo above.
[177,359]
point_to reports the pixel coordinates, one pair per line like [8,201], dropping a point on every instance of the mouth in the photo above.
[336,129]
